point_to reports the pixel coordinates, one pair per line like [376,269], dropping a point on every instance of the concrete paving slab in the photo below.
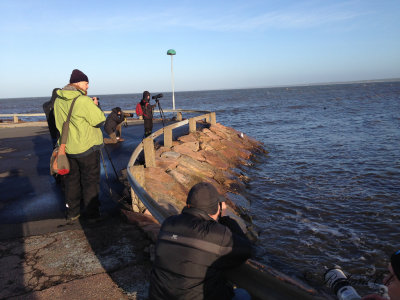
[107,260]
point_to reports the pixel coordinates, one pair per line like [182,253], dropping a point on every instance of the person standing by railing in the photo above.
[147,113]
[83,146]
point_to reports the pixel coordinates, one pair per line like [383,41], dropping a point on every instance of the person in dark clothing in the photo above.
[392,280]
[147,110]
[195,247]
[48,108]
[113,125]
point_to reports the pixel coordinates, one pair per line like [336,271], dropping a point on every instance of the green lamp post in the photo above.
[172,52]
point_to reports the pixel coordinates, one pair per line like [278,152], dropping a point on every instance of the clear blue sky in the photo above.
[122,45]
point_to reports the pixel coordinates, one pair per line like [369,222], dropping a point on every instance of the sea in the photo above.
[327,192]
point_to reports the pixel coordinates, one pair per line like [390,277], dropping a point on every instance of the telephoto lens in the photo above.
[337,281]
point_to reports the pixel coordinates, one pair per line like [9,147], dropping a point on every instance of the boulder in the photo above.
[215,159]
[163,188]
[188,138]
[185,147]
[170,154]
[167,163]
[200,168]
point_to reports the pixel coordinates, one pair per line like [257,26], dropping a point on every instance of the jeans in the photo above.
[241,294]
[114,135]
[82,183]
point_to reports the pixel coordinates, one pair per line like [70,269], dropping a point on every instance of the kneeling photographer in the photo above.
[113,125]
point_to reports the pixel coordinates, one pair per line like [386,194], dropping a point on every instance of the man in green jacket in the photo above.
[83,146]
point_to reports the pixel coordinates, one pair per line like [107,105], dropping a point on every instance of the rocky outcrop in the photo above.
[209,155]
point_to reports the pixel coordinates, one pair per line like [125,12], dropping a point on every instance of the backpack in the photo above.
[139,109]
[48,108]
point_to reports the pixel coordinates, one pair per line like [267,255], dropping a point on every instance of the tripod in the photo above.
[161,112]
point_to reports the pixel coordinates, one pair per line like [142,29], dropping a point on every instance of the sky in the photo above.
[122,45]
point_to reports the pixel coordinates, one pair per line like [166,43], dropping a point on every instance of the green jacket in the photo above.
[86,119]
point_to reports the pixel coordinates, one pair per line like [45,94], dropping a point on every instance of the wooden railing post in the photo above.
[149,153]
[179,116]
[168,137]
[138,173]
[15,119]
[213,117]
[192,125]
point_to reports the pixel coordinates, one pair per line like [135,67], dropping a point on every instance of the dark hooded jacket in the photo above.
[192,252]
[147,108]
[113,120]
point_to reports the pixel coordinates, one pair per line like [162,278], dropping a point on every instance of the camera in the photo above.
[157,96]
[337,281]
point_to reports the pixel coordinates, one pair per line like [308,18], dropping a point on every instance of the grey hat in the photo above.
[204,196]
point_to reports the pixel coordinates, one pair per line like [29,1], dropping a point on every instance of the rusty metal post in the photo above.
[149,153]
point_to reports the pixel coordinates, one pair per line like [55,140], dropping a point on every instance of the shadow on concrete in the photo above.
[122,250]
[32,203]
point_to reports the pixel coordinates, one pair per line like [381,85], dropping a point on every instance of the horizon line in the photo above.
[254,87]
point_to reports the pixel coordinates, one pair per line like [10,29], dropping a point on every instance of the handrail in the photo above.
[16,115]
[261,281]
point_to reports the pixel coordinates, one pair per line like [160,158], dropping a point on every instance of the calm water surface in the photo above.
[328,191]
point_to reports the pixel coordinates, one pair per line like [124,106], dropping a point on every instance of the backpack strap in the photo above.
[65,128]
[144,109]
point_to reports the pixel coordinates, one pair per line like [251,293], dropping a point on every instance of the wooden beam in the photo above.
[138,173]
[192,125]
[213,120]
[167,137]
[149,153]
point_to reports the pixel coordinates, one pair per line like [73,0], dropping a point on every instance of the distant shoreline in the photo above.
[247,88]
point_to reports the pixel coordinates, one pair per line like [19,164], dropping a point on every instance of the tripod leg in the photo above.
[161,113]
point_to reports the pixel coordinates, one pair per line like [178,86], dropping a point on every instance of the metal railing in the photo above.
[16,116]
[261,281]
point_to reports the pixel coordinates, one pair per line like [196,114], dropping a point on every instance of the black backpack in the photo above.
[48,108]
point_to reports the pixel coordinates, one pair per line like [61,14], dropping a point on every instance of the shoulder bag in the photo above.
[59,163]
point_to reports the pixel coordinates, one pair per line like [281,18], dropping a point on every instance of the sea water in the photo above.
[328,191]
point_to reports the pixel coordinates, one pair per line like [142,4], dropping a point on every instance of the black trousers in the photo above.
[148,127]
[82,184]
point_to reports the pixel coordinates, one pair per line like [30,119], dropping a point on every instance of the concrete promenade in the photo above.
[42,256]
